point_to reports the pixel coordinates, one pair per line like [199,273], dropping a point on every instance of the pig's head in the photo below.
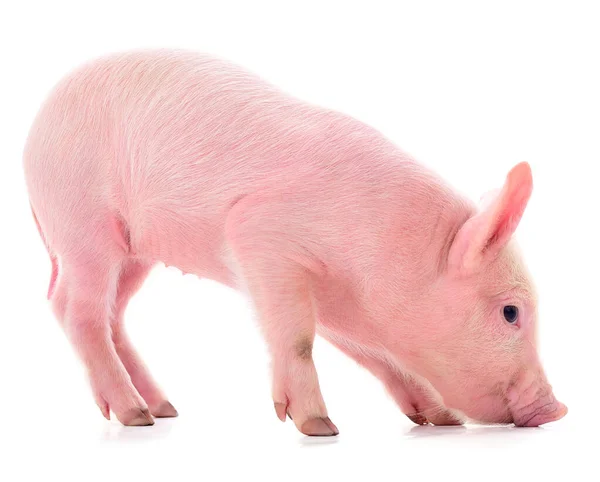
[482,355]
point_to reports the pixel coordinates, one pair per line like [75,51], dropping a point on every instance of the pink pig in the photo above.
[180,158]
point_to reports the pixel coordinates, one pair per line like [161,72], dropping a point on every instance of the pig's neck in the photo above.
[424,216]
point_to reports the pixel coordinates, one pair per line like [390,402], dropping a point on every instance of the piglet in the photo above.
[177,157]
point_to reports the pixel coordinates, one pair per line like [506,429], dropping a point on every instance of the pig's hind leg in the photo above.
[83,301]
[133,273]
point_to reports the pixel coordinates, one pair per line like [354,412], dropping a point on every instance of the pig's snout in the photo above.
[532,404]
[546,414]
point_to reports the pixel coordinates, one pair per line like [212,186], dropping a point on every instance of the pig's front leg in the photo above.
[416,400]
[279,288]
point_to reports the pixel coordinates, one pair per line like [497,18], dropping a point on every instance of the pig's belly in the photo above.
[193,244]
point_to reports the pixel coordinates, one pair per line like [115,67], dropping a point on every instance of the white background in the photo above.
[468,88]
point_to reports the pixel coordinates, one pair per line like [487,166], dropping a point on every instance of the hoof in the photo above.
[137,417]
[165,410]
[445,419]
[280,410]
[418,418]
[319,427]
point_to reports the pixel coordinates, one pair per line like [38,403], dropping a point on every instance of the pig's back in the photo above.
[169,141]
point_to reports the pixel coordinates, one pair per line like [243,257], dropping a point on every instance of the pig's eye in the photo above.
[511,314]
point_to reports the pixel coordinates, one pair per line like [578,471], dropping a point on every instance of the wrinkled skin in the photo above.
[492,346]
[326,225]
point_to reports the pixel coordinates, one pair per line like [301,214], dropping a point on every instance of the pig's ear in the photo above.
[483,235]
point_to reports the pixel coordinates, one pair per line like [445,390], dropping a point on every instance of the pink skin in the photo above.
[180,158]
[132,276]
[415,397]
